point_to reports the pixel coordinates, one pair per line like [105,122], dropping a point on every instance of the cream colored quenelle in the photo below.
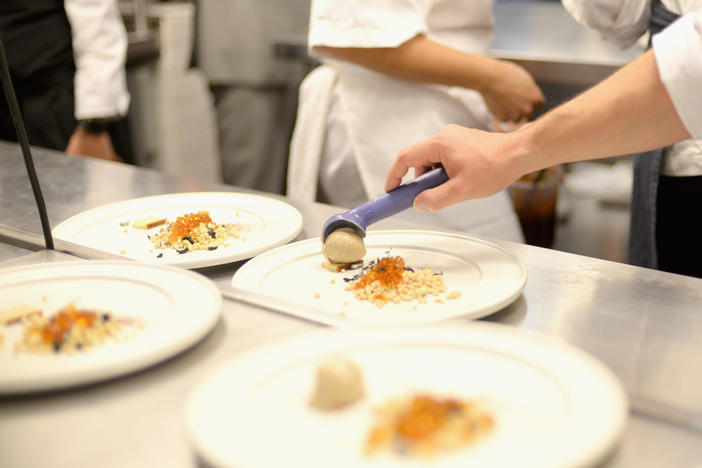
[339,382]
[343,246]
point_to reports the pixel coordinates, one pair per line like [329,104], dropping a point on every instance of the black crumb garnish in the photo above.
[159,255]
[57,346]
[79,346]
[212,248]
[182,251]
[105,317]
[409,269]
[189,239]
[211,233]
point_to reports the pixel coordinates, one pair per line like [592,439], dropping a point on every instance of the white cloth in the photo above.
[372,116]
[308,136]
[100,51]
[678,53]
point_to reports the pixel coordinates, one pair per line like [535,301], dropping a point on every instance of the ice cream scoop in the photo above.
[388,204]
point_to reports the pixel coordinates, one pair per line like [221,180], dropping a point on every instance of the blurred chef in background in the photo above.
[66,60]
[651,103]
[662,231]
[396,72]
[250,84]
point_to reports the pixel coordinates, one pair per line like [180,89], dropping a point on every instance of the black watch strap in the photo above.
[95,125]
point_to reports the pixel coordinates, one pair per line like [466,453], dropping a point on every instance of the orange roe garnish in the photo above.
[389,272]
[184,225]
[425,416]
[55,330]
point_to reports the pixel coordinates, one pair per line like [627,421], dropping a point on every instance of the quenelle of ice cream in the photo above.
[344,245]
[339,383]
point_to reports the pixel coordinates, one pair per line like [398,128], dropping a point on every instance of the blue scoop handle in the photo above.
[388,204]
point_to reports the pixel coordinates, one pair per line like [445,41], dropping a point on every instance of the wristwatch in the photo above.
[96,125]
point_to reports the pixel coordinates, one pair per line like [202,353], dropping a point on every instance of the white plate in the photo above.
[268,223]
[487,276]
[553,405]
[176,307]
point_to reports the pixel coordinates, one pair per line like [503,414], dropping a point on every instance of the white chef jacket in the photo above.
[677,51]
[99,51]
[371,116]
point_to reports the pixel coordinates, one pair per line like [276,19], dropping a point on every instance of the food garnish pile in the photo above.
[68,330]
[388,279]
[424,425]
[192,231]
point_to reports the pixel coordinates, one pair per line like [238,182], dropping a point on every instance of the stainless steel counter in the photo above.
[645,325]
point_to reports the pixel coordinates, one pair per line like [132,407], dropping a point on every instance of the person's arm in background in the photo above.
[636,109]
[99,49]
[619,21]
[508,90]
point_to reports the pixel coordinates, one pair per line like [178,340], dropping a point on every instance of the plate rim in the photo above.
[118,369]
[189,264]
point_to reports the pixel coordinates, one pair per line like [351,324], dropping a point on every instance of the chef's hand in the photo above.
[511,93]
[478,164]
[96,145]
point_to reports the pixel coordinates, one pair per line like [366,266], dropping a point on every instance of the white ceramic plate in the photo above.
[176,307]
[553,405]
[266,223]
[487,277]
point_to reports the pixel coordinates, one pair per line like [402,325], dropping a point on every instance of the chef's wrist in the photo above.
[524,148]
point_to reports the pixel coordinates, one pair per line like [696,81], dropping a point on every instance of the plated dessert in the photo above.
[389,279]
[67,330]
[189,232]
[417,424]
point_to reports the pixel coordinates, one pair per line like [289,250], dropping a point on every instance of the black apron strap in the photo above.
[647,169]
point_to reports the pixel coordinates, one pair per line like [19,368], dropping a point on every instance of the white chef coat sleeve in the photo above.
[678,51]
[99,50]
[619,21]
[365,23]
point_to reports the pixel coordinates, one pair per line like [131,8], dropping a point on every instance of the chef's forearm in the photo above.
[629,112]
[421,60]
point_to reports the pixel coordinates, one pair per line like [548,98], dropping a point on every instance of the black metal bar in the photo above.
[24,144]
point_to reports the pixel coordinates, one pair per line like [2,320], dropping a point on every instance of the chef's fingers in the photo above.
[420,156]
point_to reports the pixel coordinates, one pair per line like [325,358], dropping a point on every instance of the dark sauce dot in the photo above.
[105,317]
[182,251]
[212,248]
[159,255]
[57,346]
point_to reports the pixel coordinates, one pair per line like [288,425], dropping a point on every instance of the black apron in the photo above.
[647,167]
[37,39]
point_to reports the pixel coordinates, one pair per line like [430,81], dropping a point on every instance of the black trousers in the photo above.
[678,225]
[47,112]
